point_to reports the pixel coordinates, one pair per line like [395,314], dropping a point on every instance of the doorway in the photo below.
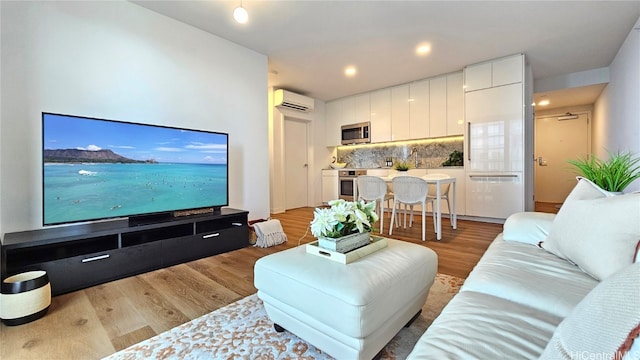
[558,138]
[296,163]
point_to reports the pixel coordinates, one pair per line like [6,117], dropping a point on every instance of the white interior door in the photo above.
[296,163]
[558,139]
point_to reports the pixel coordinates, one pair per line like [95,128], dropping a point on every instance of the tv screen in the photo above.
[97,169]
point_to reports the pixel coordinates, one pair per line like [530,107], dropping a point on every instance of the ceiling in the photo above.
[309,43]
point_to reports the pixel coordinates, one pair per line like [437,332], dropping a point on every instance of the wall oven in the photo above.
[356,133]
[346,186]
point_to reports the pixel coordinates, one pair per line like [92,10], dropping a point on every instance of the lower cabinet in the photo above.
[77,257]
[494,195]
[329,185]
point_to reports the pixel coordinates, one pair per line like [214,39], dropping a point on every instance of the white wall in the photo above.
[319,154]
[617,110]
[116,60]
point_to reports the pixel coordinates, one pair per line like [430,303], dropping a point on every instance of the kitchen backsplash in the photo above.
[432,153]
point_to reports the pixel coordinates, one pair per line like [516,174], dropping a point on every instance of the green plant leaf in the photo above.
[614,174]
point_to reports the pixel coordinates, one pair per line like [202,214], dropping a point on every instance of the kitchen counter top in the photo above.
[385,168]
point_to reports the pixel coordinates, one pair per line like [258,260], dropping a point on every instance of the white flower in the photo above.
[343,218]
[324,221]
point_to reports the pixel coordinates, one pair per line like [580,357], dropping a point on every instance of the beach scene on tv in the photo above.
[95,169]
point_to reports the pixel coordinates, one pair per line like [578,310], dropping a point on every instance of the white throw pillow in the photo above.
[527,227]
[605,324]
[597,231]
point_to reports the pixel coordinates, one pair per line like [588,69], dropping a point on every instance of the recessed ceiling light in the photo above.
[423,49]
[350,71]
[544,102]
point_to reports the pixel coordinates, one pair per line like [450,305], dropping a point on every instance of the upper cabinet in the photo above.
[455,104]
[400,113]
[362,108]
[380,115]
[422,109]
[509,70]
[419,105]
[438,110]
[333,118]
[355,109]
[504,71]
[349,110]
[477,77]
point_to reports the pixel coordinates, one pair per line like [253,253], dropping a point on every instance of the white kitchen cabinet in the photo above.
[438,109]
[329,185]
[477,77]
[348,111]
[495,140]
[507,70]
[380,115]
[400,113]
[362,108]
[495,119]
[494,195]
[455,107]
[419,109]
[504,71]
[333,117]
[355,109]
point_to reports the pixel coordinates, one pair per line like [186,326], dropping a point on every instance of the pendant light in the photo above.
[240,14]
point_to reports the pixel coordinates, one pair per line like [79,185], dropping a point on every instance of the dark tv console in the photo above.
[79,256]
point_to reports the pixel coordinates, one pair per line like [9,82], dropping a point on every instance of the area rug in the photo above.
[242,330]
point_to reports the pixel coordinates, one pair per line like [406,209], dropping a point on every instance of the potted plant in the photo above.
[345,226]
[614,174]
[402,165]
[456,158]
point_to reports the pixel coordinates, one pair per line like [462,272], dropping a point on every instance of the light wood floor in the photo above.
[98,321]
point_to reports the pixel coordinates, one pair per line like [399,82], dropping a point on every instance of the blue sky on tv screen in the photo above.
[134,141]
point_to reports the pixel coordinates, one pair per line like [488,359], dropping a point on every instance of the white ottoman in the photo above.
[348,311]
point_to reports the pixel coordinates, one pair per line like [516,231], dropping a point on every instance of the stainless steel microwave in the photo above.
[356,133]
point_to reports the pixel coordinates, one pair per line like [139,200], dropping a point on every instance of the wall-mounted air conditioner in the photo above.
[287,99]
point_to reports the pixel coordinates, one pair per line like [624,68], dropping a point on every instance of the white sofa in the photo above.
[514,301]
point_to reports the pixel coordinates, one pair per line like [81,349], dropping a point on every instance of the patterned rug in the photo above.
[242,330]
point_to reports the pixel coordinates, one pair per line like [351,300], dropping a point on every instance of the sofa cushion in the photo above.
[605,322]
[528,227]
[597,232]
[528,275]
[480,326]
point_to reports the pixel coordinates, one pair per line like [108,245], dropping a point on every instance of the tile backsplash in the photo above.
[431,153]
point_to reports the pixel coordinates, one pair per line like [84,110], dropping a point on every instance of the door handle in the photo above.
[469,140]
[541,161]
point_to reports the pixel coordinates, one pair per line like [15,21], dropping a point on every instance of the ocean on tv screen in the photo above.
[82,191]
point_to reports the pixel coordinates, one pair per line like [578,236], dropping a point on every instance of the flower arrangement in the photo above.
[343,218]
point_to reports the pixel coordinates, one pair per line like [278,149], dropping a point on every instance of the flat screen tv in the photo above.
[97,169]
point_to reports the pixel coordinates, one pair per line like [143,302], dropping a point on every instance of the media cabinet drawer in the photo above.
[79,272]
[214,225]
[202,245]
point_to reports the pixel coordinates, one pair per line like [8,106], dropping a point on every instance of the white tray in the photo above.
[376,244]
